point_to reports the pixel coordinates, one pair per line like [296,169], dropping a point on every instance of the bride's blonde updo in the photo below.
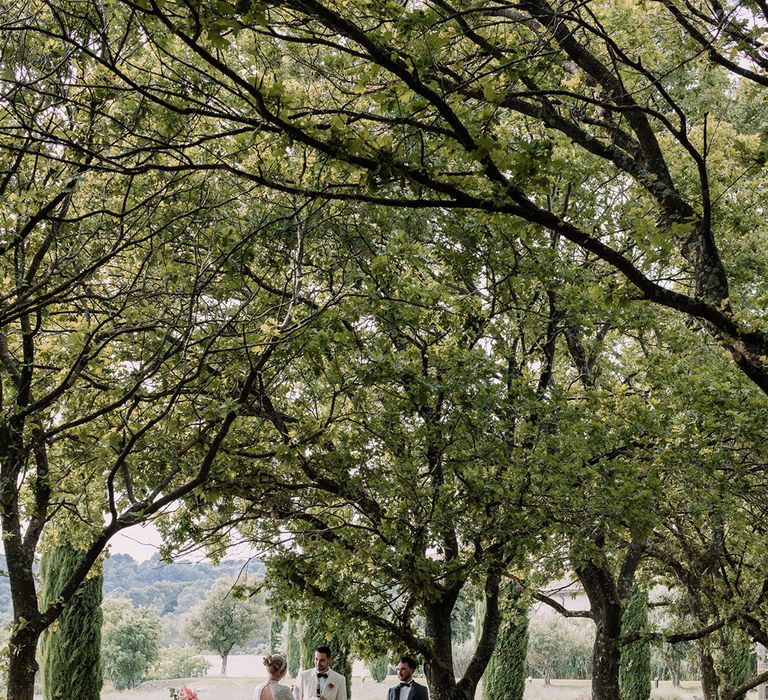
[275,663]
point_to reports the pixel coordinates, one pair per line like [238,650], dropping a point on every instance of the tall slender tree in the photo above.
[293,648]
[276,637]
[505,676]
[70,652]
[313,634]
[635,670]
[328,629]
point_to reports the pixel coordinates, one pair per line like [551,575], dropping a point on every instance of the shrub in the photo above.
[129,642]
[379,668]
[179,662]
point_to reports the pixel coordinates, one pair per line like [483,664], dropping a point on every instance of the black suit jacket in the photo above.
[418,692]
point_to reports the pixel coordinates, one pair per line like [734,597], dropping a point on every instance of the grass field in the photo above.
[218,688]
[245,672]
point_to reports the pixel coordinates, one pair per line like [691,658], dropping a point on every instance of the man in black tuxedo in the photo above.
[407,689]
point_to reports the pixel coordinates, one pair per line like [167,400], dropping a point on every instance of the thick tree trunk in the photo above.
[442,687]
[22,664]
[441,676]
[605,604]
[605,660]
[22,643]
[224,665]
[439,671]
[710,681]
[438,666]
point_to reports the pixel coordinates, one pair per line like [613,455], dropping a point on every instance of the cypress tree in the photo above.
[739,662]
[342,656]
[504,677]
[70,650]
[311,635]
[293,648]
[378,668]
[635,665]
[275,634]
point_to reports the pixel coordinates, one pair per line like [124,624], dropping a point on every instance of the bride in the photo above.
[271,689]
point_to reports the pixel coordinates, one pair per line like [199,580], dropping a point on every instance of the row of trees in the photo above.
[377,276]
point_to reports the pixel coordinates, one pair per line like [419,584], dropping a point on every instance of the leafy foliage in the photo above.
[70,651]
[558,648]
[635,671]
[421,108]
[190,186]
[130,642]
[379,668]
[276,634]
[293,646]
[168,587]
[224,620]
[179,662]
[737,659]
[506,672]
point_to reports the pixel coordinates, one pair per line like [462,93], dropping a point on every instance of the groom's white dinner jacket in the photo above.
[306,686]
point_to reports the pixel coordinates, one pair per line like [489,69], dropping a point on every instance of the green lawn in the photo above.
[217,688]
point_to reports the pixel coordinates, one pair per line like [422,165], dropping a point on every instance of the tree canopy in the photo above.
[130,642]
[475,107]
[223,621]
[377,273]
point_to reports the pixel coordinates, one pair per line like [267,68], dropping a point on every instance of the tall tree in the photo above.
[276,634]
[71,652]
[293,648]
[422,110]
[141,304]
[378,668]
[505,676]
[225,620]
[130,642]
[313,634]
[703,544]
[438,379]
[635,671]
[558,648]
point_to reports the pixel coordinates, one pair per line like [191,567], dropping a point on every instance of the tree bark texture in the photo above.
[606,609]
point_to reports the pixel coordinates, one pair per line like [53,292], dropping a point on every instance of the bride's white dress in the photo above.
[279,692]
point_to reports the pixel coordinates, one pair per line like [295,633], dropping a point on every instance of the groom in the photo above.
[407,689]
[321,681]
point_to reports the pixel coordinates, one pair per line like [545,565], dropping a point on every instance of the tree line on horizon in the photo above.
[151,582]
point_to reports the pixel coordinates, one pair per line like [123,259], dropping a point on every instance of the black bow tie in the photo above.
[405,685]
[322,675]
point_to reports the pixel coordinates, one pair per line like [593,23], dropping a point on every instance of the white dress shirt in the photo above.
[405,691]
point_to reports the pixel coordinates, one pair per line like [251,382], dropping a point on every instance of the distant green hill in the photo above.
[169,588]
